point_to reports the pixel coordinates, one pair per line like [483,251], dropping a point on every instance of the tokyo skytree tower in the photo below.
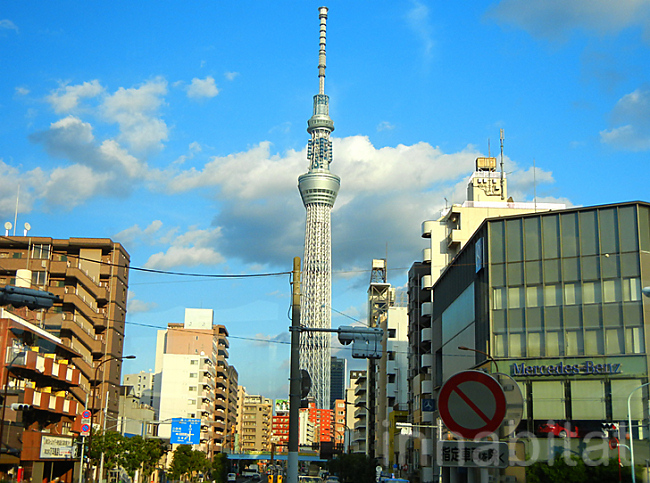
[318,189]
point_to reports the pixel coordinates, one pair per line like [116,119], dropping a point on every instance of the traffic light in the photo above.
[27,297]
[20,406]
[305,383]
[366,341]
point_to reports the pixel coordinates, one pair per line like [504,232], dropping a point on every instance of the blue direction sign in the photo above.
[185,431]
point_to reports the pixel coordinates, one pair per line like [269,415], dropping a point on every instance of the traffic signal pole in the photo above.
[294,378]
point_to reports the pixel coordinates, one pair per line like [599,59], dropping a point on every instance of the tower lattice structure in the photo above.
[318,189]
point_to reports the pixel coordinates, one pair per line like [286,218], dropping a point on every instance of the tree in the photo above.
[220,467]
[575,471]
[355,467]
[188,463]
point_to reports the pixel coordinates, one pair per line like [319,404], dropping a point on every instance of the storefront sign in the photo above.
[58,447]
[588,368]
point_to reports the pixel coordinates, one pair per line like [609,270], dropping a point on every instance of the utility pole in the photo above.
[294,378]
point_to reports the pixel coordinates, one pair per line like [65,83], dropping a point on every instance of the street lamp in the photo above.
[463,348]
[629,422]
[4,397]
[92,404]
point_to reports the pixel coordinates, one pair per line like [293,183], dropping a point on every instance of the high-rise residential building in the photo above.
[191,378]
[338,376]
[142,384]
[318,189]
[359,411]
[256,418]
[391,376]
[90,275]
[232,387]
[340,425]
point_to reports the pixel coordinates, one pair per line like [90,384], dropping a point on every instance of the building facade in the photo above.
[142,385]
[255,430]
[357,411]
[555,298]
[338,376]
[90,275]
[191,379]
[39,383]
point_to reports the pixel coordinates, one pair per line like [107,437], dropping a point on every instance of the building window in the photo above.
[515,297]
[612,291]
[634,340]
[572,294]
[193,375]
[591,293]
[498,296]
[192,388]
[631,289]
[194,362]
[41,252]
[534,296]
[392,333]
[39,278]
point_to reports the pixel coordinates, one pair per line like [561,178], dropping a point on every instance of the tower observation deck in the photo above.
[318,189]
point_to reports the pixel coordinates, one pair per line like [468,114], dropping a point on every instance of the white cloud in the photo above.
[201,88]
[419,22]
[385,126]
[135,306]
[66,98]
[631,115]
[8,25]
[231,75]
[22,91]
[193,248]
[555,19]
[135,110]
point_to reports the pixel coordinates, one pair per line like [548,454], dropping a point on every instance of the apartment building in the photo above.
[39,384]
[256,418]
[142,386]
[191,377]
[90,275]
[358,411]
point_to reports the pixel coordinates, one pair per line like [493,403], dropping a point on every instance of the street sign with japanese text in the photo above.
[475,454]
[185,431]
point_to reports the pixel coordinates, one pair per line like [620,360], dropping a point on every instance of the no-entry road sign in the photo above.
[472,404]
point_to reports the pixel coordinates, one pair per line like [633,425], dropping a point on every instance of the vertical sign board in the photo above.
[185,431]
[85,423]
[472,404]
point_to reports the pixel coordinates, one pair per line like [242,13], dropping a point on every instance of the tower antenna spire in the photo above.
[318,189]
[322,54]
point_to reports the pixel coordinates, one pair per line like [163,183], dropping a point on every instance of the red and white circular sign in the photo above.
[472,404]
[85,414]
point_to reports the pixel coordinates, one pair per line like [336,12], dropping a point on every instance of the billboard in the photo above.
[281,406]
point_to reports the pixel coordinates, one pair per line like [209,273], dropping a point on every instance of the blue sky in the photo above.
[178,129]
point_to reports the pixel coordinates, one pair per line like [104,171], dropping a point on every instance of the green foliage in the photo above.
[220,467]
[188,463]
[129,453]
[353,468]
[575,471]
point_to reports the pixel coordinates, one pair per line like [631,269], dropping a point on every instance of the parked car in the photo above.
[332,479]
[559,430]
[232,477]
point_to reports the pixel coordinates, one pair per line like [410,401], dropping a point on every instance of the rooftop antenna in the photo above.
[8,226]
[534,185]
[27,228]
[16,215]
[501,136]
[489,148]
